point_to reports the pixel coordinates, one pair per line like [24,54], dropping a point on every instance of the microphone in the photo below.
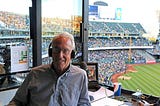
[84,66]
[78,54]
[91,84]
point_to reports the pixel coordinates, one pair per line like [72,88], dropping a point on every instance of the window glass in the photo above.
[59,16]
[124,40]
[15,43]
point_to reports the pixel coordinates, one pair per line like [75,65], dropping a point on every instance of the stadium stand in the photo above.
[117,36]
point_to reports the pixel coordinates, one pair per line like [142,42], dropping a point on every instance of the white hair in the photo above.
[65,35]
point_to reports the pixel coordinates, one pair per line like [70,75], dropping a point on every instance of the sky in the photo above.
[18,6]
[143,11]
[64,9]
[51,8]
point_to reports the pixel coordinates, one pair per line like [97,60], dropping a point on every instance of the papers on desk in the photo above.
[109,102]
[100,93]
[101,99]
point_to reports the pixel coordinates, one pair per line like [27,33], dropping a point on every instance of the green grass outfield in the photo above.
[146,79]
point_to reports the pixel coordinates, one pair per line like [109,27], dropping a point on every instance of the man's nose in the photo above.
[60,53]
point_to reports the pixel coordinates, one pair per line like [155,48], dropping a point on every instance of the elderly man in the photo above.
[57,84]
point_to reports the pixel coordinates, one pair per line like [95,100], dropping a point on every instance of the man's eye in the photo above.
[57,50]
[65,51]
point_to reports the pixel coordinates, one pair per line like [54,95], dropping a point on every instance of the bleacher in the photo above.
[112,38]
[116,27]
[101,34]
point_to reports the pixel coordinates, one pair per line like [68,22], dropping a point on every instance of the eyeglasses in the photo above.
[58,50]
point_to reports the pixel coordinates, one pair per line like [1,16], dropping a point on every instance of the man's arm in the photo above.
[22,94]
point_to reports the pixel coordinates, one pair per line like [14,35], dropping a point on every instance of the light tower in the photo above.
[158,16]
[130,52]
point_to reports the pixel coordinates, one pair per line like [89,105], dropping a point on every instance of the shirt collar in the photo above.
[66,72]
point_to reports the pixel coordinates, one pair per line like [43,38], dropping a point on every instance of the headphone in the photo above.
[50,51]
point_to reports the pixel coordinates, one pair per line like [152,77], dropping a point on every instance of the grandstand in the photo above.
[117,28]
[15,28]
[112,44]
[115,44]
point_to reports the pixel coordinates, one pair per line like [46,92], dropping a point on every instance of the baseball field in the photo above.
[144,78]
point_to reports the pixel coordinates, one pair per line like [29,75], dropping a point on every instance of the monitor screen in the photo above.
[92,70]
[13,59]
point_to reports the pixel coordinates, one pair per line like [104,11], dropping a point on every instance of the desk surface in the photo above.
[101,98]
[110,102]
[104,97]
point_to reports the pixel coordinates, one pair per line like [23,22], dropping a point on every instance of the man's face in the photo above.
[61,53]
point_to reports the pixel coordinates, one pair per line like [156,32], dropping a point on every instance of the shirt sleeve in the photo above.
[22,94]
[84,96]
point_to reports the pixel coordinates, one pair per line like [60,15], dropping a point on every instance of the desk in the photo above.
[105,97]
[101,98]
[109,102]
